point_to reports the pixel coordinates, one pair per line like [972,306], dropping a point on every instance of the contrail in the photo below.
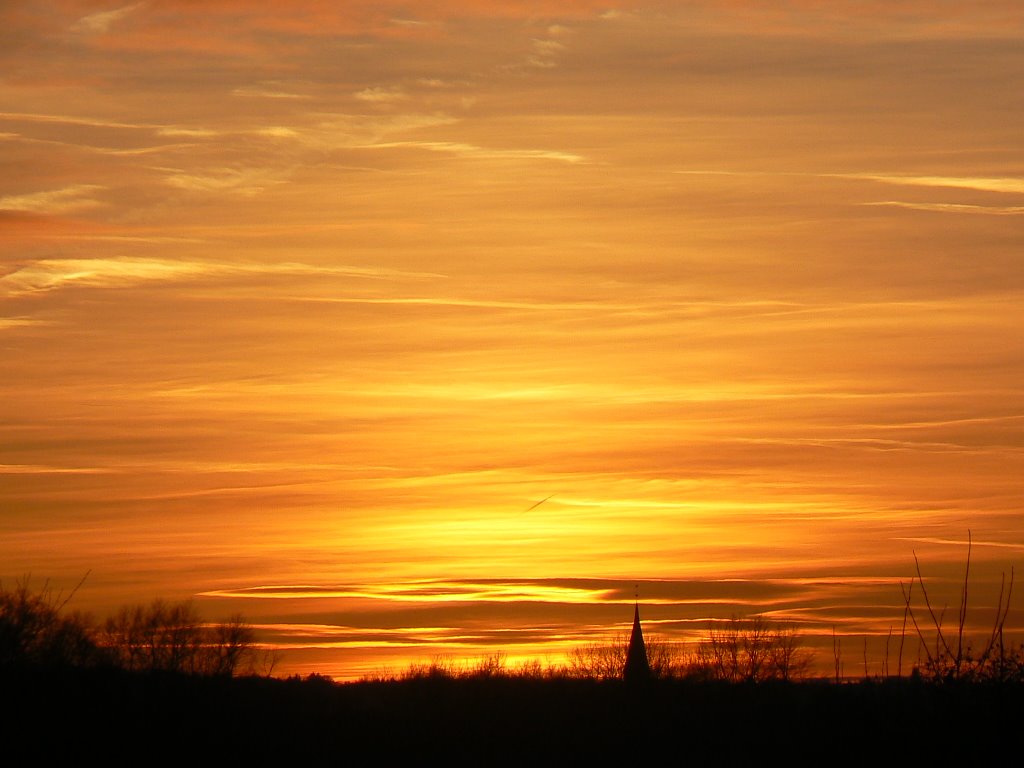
[534,506]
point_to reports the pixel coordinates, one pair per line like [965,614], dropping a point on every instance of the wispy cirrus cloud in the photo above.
[18,322]
[240,181]
[578,591]
[983,210]
[979,183]
[482,153]
[260,28]
[261,18]
[431,592]
[158,129]
[545,53]
[102,21]
[51,274]
[1008,184]
[381,95]
[268,91]
[960,543]
[46,469]
[64,200]
[187,132]
[90,122]
[999,185]
[916,18]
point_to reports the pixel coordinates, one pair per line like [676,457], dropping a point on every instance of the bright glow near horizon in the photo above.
[528,301]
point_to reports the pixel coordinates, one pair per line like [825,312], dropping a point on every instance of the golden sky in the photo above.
[305,306]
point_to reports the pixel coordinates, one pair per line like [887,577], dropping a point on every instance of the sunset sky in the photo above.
[408,328]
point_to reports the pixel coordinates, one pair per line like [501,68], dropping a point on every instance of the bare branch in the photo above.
[913,618]
[940,638]
[963,605]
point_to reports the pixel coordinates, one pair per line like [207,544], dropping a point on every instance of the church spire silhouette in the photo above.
[637,666]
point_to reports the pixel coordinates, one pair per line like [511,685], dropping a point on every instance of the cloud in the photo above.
[979,183]
[51,274]
[580,591]
[166,130]
[240,181]
[452,301]
[483,153]
[17,322]
[1007,184]
[73,198]
[277,132]
[412,23]
[267,91]
[959,542]
[101,22]
[918,18]
[260,27]
[177,130]
[316,132]
[987,210]
[108,137]
[433,592]
[545,53]
[42,469]
[382,95]
[325,132]
[91,122]
[358,131]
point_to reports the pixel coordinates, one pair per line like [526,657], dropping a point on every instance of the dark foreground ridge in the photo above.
[130,717]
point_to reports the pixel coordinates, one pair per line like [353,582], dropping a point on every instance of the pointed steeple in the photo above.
[637,667]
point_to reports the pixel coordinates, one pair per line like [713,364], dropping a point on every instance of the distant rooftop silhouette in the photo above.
[637,666]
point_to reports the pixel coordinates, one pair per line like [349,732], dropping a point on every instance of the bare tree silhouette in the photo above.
[35,631]
[752,650]
[171,637]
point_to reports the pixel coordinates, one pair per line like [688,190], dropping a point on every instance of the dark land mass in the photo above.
[131,718]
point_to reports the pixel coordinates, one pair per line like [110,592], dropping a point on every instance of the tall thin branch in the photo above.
[963,606]
[996,624]
[940,638]
[903,631]
[917,628]
[74,591]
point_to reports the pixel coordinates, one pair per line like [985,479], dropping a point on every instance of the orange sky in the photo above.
[305,306]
